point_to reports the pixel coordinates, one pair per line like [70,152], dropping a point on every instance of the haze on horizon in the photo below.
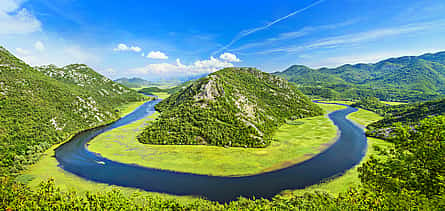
[174,39]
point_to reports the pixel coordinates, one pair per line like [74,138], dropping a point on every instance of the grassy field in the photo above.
[350,177]
[294,143]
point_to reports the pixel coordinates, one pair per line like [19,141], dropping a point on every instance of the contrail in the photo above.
[247,32]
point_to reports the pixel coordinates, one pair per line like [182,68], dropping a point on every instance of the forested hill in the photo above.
[231,107]
[407,78]
[406,114]
[43,106]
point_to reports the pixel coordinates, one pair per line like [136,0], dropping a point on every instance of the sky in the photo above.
[167,40]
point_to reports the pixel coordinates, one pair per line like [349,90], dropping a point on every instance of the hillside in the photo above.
[404,114]
[231,107]
[43,106]
[408,78]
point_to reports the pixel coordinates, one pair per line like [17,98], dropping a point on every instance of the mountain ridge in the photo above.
[419,77]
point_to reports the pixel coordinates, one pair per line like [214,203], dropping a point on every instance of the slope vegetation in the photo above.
[395,115]
[407,78]
[231,107]
[43,106]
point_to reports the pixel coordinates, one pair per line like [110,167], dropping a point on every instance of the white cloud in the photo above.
[124,47]
[335,41]
[229,57]
[60,57]
[305,31]
[22,52]
[178,69]
[39,46]
[156,55]
[247,32]
[108,72]
[14,20]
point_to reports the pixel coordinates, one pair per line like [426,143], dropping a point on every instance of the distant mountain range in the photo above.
[44,105]
[142,83]
[134,82]
[408,78]
[230,107]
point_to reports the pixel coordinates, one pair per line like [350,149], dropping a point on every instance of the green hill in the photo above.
[407,78]
[43,106]
[231,107]
[405,114]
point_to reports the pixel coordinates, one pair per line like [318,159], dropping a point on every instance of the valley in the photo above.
[237,132]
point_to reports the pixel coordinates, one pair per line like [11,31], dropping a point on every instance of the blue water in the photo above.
[345,153]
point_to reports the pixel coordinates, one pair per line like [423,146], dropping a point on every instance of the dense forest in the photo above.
[43,106]
[406,114]
[231,107]
[408,176]
[409,78]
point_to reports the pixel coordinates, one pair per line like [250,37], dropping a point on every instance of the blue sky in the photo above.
[173,39]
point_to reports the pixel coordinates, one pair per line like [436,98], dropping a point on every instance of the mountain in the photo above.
[134,82]
[45,105]
[231,107]
[407,78]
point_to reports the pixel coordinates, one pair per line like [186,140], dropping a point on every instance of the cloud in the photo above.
[108,72]
[22,52]
[247,32]
[39,46]
[156,55]
[124,47]
[14,20]
[60,57]
[229,57]
[360,37]
[305,31]
[178,69]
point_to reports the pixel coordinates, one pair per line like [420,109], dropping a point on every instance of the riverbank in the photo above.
[294,143]
[350,177]
[47,167]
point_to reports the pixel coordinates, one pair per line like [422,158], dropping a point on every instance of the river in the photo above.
[346,152]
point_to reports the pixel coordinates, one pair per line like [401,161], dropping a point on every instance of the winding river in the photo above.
[346,152]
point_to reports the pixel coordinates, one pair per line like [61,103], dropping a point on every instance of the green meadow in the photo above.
[294,142]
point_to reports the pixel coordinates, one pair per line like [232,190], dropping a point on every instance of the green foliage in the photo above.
[398,79]
[49,197]
[43,106]
[231,107]
[416,163]
[408,114]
